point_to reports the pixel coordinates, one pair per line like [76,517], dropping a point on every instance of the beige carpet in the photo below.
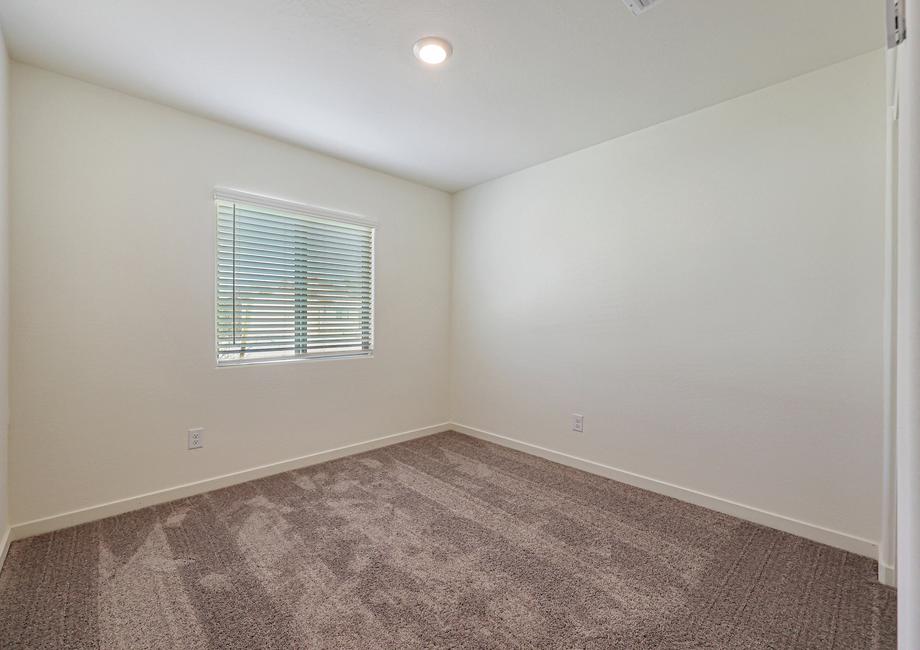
[445,541]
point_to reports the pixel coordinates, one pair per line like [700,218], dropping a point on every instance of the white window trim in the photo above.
[307,210]
[237,363]
[238,196]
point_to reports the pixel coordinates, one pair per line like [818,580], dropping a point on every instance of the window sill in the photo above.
[271,362]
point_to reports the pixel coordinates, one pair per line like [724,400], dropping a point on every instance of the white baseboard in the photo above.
[5,545]
[813,532]
[837,539]
[887,575]
[93,513]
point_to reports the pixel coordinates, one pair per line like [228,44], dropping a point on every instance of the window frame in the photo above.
[293,208]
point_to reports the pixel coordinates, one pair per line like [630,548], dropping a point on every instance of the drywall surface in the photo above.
[113,237]
[908,362]
[4,294]
[706,292]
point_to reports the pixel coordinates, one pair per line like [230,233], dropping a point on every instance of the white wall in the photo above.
[908,362]
[4,294]
[112,302]
[707,292]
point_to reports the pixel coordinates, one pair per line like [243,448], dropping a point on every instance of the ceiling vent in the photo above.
[638,6]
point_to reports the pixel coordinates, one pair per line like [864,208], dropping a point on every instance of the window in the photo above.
[293,282]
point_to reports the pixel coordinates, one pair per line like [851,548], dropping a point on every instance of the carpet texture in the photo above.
[445,541]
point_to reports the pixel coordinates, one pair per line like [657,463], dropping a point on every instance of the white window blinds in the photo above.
[291,284]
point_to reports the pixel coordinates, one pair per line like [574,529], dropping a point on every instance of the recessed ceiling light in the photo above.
[432,50]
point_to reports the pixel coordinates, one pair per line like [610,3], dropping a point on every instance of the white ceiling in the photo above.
[530,80]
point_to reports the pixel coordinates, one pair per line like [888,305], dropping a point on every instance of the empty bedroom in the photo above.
[393,324]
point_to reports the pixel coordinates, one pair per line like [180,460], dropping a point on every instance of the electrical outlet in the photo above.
[578,422]
[196,438]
